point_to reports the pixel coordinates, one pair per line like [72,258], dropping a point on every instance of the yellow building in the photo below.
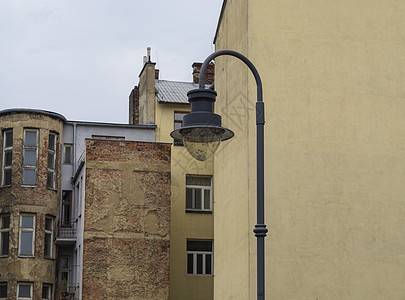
[164,103]
[333,75]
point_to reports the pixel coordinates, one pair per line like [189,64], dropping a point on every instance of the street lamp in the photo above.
[202,133]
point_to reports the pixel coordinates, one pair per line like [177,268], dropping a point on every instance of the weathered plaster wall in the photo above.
[38,200]
[127,220]
[333,74]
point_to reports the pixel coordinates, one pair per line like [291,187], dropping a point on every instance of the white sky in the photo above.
[81,58]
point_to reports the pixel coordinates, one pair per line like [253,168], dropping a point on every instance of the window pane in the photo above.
[68,154]
[9,139]
[47,246]
[179,116]
[8,158]
[189,263]
[30,158]
[29,176]
[199,246]
[4,243]
[26,243]
[199,263]
[27,221]
[5,222]
[45,292]
[208,264]
[51,161]
[207,199]
[66,214]
[24,290]
[7,177]
[189,198]
[30,138]
[51,142]
[198,198]
[64,263]
[198,180]
[48,224]
[177,125]
[3,290]
[49,180]
[65,276]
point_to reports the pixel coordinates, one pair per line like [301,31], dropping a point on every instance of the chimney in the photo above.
[156,73]
[209,73]
[148,49]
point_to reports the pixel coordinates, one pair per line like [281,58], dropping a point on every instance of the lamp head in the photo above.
[202,131]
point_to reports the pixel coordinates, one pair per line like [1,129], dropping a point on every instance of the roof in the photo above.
[32,111]
[173,91]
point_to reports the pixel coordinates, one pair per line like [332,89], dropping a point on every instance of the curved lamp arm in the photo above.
[260,228]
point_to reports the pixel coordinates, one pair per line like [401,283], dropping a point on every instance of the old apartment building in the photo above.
[164,103]
[84,209]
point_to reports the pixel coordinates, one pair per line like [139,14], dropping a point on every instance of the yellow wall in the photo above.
[333,75]
[184,225]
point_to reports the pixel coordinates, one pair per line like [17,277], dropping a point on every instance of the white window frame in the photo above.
[49,296]
[25,147]
[4,284]
[29,230]
[51,233]
[204,255]
[203,189]
[4,168]
[178,119]
[52,154]
[1,235]
[18,290]
[70,156]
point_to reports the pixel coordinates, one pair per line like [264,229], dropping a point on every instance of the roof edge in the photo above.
[35,111]
[219,20]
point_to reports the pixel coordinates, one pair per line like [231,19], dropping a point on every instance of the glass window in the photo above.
[46,291]
[24,291]
[199,257]
[7,157]
[178,123]
[67,154]
[3,290]
[4,234]
[27,235]
[48,245]
[66,208]
[198,193]
[50,182]
[30,156]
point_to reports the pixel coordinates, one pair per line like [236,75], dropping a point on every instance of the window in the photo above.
[67,154]
[66,208]
[3,290]
[50,182]
[178,123]
[27,235]
[24,291]
[199,257]
[46,291]
[7,157]
[198,193]
[64,270]
[48,237]
[4,234]
[30,156]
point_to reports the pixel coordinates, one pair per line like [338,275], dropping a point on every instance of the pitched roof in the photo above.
[173,91]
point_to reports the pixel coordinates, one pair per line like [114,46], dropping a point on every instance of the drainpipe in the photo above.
[74,149]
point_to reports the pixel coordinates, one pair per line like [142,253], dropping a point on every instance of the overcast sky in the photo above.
[81,58]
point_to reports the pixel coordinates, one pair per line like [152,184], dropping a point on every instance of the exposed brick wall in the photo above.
[209,73]
[134,106]
[127,219]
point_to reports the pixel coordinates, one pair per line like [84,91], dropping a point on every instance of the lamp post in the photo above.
[202,133]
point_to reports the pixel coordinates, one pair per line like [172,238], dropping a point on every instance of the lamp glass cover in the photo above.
[202,142]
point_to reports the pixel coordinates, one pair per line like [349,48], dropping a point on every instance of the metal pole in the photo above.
[260,228]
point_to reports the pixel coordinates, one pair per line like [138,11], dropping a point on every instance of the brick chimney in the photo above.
[209,73]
